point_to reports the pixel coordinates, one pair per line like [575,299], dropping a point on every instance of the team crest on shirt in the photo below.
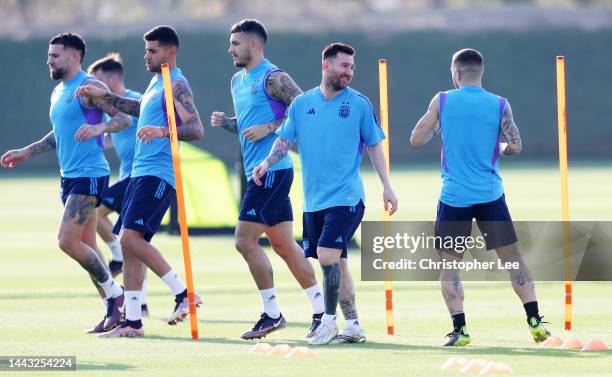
[255,88]
[345,110]
[70,96]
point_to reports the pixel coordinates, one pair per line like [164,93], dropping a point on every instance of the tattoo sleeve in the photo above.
[117,123]
[192,128]
[45,144]
[280,148]
[126,105]
[282,87]
[231,125]
[510,132]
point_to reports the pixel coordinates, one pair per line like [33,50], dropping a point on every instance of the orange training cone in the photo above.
[280,350]
[261,348]
[300,353]
[496,368]
[552,342]
[455,362]
[596,345]
[474,366]
[572,344]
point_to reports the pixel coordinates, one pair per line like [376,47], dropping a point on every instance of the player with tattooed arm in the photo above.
[472,122]
[151,185]
[261,93]
[83,168]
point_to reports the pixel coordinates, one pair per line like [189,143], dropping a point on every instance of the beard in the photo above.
[57,74]
[242,62]
[336,83]
[154,68]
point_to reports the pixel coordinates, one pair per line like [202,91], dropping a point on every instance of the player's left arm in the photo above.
[117,122]
[427,126]
[377,156]
[510,133]
[281,87]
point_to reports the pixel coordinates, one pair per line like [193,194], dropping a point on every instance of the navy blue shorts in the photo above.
[332,227]
[112,197]
[493,220]
[90,186]
[146,201]
[269,203]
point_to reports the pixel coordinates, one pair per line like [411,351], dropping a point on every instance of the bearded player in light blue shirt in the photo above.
[151,185]
[331,124]
[261,93]
[472,122]
[83,168]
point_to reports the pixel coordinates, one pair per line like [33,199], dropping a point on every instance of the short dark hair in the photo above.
[331,50]
[468,57]
[250,26]
[111,63]
[72,40]
[164,34]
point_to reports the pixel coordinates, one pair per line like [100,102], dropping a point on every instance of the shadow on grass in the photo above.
[93,365]
[371,345]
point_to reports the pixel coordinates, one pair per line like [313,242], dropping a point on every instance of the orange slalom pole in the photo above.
[562,127]
[180,199]
[384,118]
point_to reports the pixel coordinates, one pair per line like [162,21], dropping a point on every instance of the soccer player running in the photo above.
[261,93]
[151,185]
[472,121]
[109,70]
[83,168]
[330,124]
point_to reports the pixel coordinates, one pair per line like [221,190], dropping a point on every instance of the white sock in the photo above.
[328,319]
[143,297]
[115,248]
[105,303]
[111,288]
[268,297]
[352,323]
[132,305]
[316,299]
[175,284]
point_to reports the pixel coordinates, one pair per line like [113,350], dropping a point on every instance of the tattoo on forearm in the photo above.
[45,144]
[280,148]
[510,132]
[192,128]
[274,125]
[117,123]
[126,105]
[78,208]
[349,309]
[282,87]
[231,125]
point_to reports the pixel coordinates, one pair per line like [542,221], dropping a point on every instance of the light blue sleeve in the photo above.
[288,130]
[370,129]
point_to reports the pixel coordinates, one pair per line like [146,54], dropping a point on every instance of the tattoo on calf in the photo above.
[349,309]
[95,267]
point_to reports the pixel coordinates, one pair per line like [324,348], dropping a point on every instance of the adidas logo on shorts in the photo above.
[252,212]
[139,222]
[339,239]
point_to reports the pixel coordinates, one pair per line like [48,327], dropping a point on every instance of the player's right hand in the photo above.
[14,157]
[259,171]
[217,118]
[91,91]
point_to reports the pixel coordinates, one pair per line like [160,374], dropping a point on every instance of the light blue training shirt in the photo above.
[77,159]
[254,106]
[470,119]
[330,137]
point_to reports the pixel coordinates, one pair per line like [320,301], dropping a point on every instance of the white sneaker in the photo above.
[324,333]
[352,334]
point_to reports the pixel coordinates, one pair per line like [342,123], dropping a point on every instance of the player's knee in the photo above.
[127,242]
[244,245]
[66,243]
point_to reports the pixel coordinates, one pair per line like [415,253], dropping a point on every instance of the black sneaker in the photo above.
[264,326]
[458,338]
[316,321]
